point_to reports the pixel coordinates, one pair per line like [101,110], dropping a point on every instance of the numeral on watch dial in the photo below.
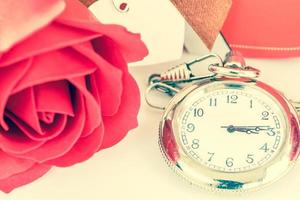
[198,112]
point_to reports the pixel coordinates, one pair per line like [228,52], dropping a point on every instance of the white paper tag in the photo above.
[162,27]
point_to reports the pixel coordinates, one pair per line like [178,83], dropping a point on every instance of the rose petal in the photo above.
[82,150]
[46,117]
[117,126]
[10,76]
[106,82]
[48,131]
[53,37]
[54,97]
[93,110]
[21,18]
[10,165]
[77,12]
[126,117]
[23,105]
[15,142]
[55,65]
[65,141]
[76,15]
[132,49]
[92,87]
[23,178]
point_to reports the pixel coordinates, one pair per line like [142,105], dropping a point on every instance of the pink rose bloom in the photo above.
[66,92]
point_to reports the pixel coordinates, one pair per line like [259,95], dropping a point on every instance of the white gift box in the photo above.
[161,26]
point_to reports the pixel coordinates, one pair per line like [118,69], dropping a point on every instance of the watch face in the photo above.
[230,128]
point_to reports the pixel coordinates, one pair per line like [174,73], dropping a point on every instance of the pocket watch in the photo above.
[226,131]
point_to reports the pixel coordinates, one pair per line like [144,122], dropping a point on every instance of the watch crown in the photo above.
[235,59]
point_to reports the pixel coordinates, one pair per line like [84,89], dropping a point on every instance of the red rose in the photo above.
[65,89]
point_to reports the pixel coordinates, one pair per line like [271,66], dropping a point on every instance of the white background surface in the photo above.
[135,170]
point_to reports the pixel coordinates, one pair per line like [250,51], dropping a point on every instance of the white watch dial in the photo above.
[231,130]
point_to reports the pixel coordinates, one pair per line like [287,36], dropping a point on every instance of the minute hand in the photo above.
[247,129]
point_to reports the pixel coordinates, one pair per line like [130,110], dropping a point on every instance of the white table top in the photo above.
[135,170]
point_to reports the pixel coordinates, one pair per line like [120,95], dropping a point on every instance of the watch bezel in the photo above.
[211,179]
